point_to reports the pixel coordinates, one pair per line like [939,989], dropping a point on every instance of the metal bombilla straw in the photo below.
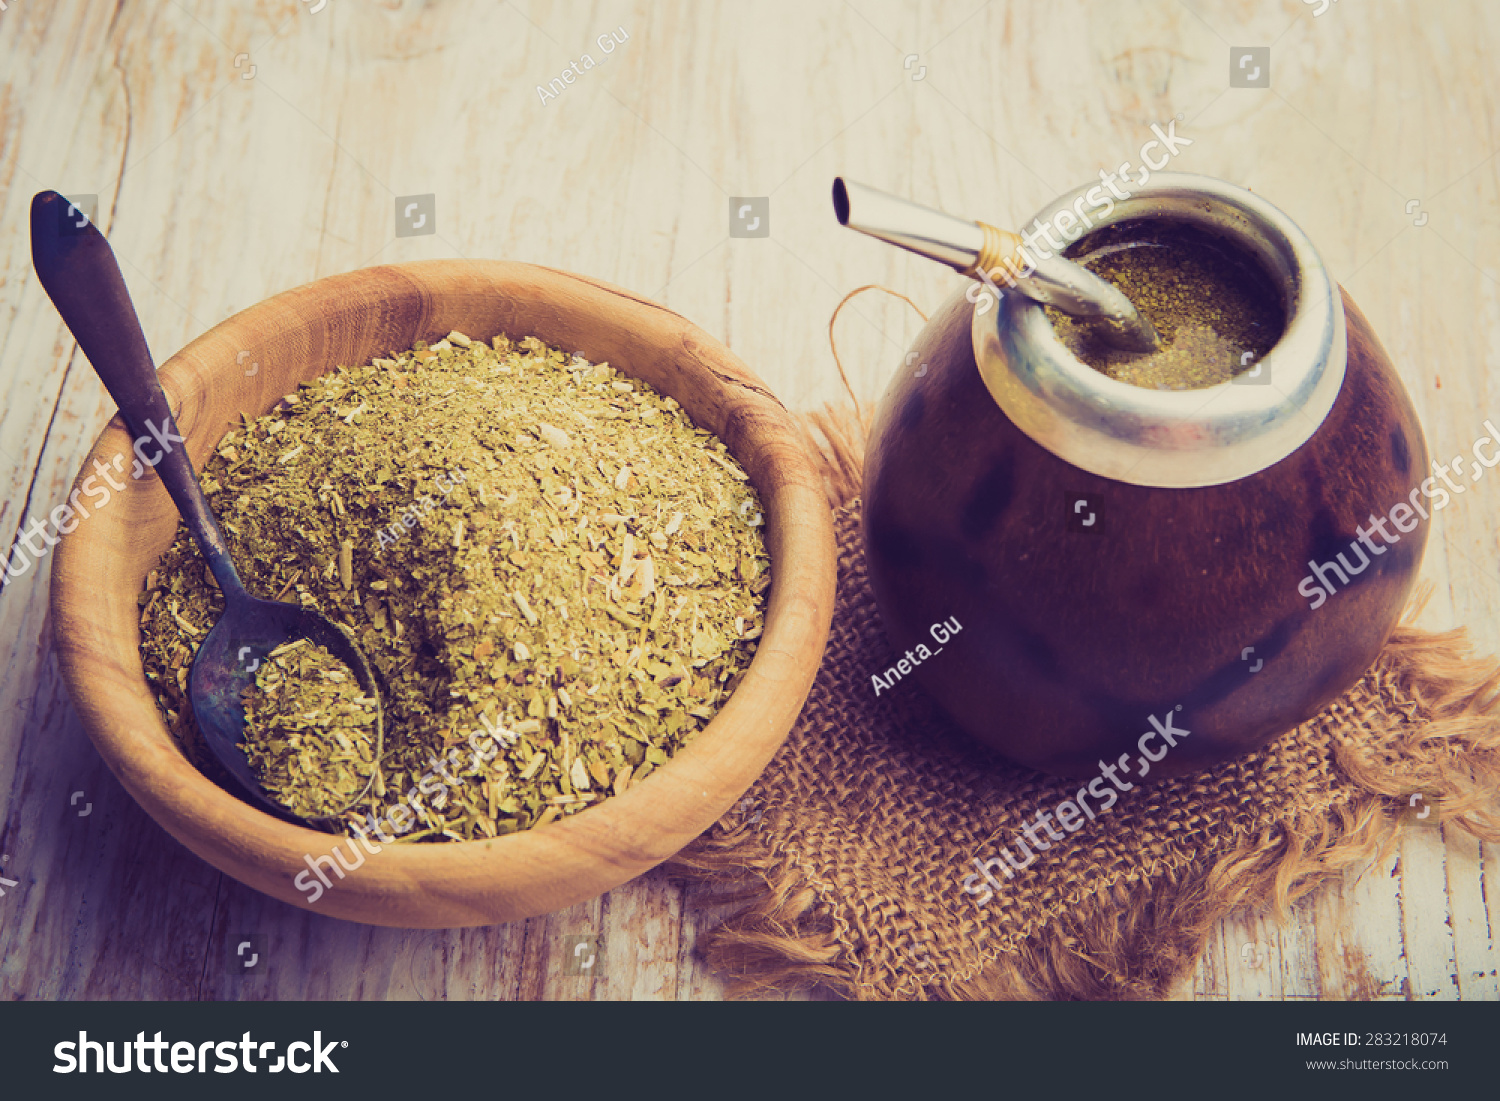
[981,251]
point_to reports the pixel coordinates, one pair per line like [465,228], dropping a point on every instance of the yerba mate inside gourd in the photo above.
[556,576]
[1216,312]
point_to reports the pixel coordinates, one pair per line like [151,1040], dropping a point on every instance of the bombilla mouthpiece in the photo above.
[919,229]
[982,251]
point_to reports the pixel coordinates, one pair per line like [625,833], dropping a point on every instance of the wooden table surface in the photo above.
[241,148]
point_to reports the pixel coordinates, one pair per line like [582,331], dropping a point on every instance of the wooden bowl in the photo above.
[245,365]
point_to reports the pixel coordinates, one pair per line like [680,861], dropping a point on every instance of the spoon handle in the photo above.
[79,272]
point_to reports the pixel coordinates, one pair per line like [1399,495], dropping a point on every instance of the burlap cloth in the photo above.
[851,850]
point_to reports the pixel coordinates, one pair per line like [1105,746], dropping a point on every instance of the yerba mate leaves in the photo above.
[314,744]
[557,577]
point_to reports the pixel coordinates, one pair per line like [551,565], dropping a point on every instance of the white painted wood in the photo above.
[218,191]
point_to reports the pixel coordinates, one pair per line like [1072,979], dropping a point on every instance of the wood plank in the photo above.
[1474,949]
[218,191]
[1427,931]
[1372,927]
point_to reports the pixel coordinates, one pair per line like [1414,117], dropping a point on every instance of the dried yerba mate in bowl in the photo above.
[557,577]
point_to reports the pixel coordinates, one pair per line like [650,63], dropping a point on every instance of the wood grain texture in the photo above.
[219,191]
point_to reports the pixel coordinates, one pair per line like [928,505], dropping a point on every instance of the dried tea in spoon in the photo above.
[311,736]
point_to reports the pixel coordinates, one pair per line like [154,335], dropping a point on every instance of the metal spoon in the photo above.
[78,270]
[972,248]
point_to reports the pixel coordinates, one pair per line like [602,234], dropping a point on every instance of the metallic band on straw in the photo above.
[1000,250]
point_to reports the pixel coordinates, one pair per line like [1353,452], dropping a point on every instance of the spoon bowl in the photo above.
[78,270]
[244,637]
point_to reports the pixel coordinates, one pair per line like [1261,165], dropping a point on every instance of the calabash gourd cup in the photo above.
[1123,559]
[245,365]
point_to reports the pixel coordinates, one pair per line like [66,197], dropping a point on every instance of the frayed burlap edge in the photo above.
[1138,939]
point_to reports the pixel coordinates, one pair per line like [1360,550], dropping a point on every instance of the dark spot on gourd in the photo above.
[1400,453]
[990,496]
[894,546]
[912,412]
